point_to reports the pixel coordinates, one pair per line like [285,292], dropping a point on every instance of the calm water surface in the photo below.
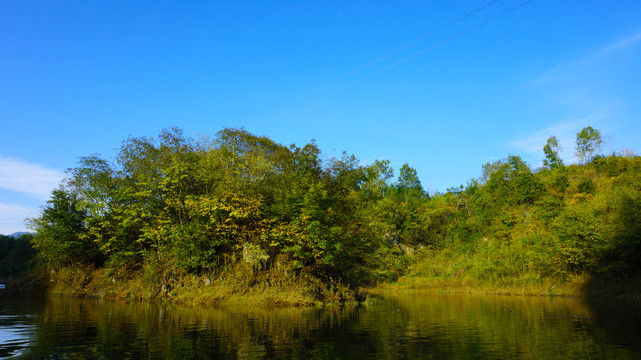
[401,327]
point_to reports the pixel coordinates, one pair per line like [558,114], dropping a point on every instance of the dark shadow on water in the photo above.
[620,320]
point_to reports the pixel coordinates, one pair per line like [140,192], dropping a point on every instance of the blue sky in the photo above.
[78,77]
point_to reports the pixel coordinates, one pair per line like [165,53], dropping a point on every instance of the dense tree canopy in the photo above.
[201,205]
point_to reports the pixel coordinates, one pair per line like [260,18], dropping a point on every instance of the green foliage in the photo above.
[625,203]
[173,203]
[408,183]
[376,180]
[61,235]
[628,234]
[555,223]
[197,205]
[586,186]
[549,208]
[551,150]
[588,143]
[561,182]
[15,255]
[579,237]
[507,182]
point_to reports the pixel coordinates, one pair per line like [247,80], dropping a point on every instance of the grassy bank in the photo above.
[576,286]
[468,285]
[503,270]
[238,286]
[243,286]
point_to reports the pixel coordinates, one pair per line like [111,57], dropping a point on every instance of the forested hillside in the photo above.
[239,206]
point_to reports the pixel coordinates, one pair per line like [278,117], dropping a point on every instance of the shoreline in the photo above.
[231,288]
[578,286]
[268,290]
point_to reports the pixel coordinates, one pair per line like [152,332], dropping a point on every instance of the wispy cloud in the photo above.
[589,66]
[33,179]
[628,41]
[534,143]
[565,132]
[586,91]
[12,218]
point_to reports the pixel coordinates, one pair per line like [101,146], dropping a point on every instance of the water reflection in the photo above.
[403,327]
[17,322]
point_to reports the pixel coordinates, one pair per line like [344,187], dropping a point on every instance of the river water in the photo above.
[425,326]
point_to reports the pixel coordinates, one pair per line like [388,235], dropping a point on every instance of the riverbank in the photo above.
[574,286]
[243,287]
[238,286]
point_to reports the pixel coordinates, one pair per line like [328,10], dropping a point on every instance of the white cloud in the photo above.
[32,179]
[12,218]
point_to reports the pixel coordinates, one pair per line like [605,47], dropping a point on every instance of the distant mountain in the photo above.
[16,235]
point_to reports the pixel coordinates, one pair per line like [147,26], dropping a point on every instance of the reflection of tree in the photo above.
[413,327]
[91,329]
[453,326]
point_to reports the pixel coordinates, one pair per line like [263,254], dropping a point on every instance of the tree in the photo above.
[551,150]
[61,232]
[588,143]
[408,183]
[377,178]
[510,181]
[402,209]
[15,254]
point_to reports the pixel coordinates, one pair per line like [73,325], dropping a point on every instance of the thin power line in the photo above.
[472,28]
[380,59]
